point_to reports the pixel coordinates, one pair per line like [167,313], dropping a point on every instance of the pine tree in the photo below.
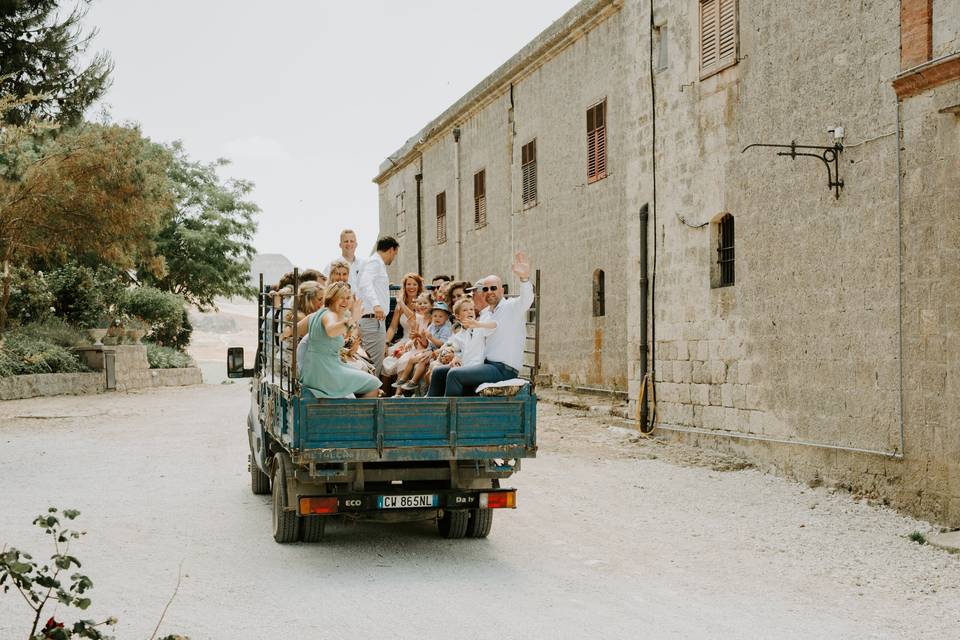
[41,47]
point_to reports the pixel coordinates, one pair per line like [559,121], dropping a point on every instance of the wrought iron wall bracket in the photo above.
[830,156]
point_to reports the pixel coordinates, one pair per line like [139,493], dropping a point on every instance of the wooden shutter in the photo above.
[528,167]
[480,198]
[718,35]
[597,142]
[441,217]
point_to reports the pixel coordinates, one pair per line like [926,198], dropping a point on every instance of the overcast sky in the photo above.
[306,98]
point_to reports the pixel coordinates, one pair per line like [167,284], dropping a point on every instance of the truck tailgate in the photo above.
[417,428]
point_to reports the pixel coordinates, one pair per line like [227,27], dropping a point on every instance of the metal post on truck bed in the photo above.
[536,330]
[261,326]
[292,382]
[535,324]
[273,350]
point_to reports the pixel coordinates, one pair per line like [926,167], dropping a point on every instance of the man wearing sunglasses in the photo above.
[503,351]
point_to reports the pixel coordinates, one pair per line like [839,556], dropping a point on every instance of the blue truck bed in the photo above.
[413,429]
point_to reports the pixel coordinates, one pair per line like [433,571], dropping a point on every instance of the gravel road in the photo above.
[614,537]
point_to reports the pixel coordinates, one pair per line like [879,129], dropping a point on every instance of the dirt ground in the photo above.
[615,536]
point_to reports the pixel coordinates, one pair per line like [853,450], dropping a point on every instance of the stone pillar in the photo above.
[916,32]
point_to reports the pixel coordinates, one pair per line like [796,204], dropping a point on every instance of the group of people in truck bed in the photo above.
[445,339]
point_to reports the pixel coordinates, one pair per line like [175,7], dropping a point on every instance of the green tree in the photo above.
[93,192]
[41,52]
[206,242]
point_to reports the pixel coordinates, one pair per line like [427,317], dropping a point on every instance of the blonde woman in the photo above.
[339,271]
[309,300]
[323,373]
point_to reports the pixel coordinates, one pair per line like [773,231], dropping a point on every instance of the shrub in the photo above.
[22,354]
[55,331]
[78,298]
[30,296]
[165,313]
[166,357]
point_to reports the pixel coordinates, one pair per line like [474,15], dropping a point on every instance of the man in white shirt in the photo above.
[373,288]
[503,351]
[348,252]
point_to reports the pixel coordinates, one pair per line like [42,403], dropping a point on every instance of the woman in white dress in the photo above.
[411,288]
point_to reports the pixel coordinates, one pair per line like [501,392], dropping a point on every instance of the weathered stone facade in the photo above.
[573,229]
[834,354]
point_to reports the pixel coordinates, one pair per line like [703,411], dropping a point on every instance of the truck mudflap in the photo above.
[367,502]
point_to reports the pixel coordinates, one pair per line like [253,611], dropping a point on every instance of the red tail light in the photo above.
[317,506]
[499,500]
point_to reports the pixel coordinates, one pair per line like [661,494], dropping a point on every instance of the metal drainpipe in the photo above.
[900,273]
[419,178]
[653,181]
[456,165]
[644,347]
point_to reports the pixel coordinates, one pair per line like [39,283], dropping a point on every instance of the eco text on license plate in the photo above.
[406,502]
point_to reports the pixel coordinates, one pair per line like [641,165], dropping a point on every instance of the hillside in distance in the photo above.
[271,265]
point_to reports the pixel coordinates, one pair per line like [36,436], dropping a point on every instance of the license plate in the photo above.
[407,502]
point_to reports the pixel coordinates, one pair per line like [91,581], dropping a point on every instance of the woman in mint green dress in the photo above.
[322,372]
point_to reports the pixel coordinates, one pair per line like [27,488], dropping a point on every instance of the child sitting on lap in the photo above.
[468,343]
[439,331]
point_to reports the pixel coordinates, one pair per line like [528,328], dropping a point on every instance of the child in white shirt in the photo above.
[468,344]
[464,348]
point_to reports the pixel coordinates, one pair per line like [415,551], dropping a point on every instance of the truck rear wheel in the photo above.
[259,481]
[453,524]
[312,528]
[481,521]
[285,525]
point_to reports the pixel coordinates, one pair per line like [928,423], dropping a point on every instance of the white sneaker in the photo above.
[409,386]
[398,384]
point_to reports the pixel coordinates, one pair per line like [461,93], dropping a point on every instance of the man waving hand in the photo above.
[503,352]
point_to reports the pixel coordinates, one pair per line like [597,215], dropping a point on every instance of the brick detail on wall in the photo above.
[927,77]
[916,32]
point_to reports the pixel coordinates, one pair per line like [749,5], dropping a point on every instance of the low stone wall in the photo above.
[51,384]
[176,377]
[146,378]
[72,384]
[127,370]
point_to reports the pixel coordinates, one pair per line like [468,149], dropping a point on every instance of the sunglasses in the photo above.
[485,289]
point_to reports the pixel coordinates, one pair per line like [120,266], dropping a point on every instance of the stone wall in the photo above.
[931,303]
[804,344]
[51,384]
[132,371]
[946,27]
[798,364]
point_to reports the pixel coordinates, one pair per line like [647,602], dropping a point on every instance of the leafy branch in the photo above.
[39,584]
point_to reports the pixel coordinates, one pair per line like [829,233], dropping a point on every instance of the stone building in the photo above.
[802,310]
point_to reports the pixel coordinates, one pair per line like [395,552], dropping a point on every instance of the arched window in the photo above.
[725,261]
[599,294]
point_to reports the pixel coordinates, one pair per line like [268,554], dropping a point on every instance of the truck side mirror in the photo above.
[235,364]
